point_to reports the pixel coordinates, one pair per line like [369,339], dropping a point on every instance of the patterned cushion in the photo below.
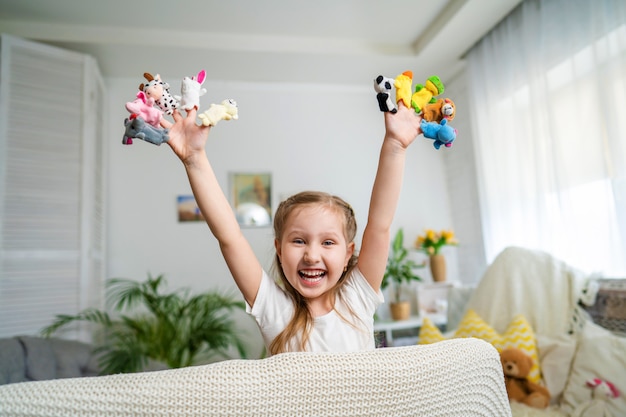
[518,334]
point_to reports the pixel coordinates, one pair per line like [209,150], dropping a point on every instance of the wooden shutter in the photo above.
[51,184]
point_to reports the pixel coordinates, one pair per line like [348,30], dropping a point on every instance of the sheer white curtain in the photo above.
[548,105]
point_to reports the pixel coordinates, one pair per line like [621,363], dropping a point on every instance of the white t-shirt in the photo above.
[273,310]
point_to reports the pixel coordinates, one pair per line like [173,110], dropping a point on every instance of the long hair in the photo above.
[302,321]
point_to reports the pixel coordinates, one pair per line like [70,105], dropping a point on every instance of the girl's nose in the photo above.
[310,256]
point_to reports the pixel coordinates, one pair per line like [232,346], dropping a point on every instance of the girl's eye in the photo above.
[328,243]
[298,241]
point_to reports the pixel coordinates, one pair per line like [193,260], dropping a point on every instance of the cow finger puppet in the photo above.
[159,91]
[384,87]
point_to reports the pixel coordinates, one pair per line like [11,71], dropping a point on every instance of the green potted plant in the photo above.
[173,329]
[400,270]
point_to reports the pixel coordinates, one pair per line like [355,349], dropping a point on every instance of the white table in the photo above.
[414,322]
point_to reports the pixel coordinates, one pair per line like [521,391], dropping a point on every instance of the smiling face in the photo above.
[314,252]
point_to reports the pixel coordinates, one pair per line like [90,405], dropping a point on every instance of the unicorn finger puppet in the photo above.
[384,87]
[159,91]
[191,91]
[227,110]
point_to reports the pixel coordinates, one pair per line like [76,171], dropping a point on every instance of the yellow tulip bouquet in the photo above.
[431,242]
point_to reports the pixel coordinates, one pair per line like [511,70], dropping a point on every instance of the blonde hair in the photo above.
[302,321]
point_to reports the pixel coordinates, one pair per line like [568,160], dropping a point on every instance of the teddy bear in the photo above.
[443,108]
[516,365]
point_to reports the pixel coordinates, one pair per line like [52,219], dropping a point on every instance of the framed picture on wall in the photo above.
[187,209]
[251,198]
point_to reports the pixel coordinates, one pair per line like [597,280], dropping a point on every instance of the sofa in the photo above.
[28,358]
[575,321]
[460,377]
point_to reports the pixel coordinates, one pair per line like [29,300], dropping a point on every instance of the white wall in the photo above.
[308,136]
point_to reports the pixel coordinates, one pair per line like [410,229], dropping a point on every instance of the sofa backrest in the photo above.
[12,361]
[460,377]
[30,358]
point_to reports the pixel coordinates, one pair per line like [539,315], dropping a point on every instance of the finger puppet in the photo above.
[227,110]
[384,87]
[137,128]
[516,365]
[425,93]
[403,83]
[441,132]
[160,92]
[603,391]
[443,108]
[143,106]
[191,91]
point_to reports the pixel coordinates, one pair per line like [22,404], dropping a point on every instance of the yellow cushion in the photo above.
[429,333]
[518,334]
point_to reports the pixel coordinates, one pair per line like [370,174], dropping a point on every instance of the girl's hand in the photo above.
[403,126]
[187,139]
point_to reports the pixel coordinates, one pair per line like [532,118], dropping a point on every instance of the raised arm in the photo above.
[401,129]
[188,141]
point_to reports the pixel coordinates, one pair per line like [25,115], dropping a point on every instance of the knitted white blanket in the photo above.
[459,377]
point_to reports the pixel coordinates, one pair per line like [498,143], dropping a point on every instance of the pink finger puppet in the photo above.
[191,91]
[143,106]
[159,91]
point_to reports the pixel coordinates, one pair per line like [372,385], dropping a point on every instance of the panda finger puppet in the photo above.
[384,87]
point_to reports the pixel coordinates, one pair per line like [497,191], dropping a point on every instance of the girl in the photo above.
[329,296]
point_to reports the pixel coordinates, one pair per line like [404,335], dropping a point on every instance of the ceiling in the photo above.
[294,41]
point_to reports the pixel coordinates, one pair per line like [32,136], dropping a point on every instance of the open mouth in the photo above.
[312,277]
